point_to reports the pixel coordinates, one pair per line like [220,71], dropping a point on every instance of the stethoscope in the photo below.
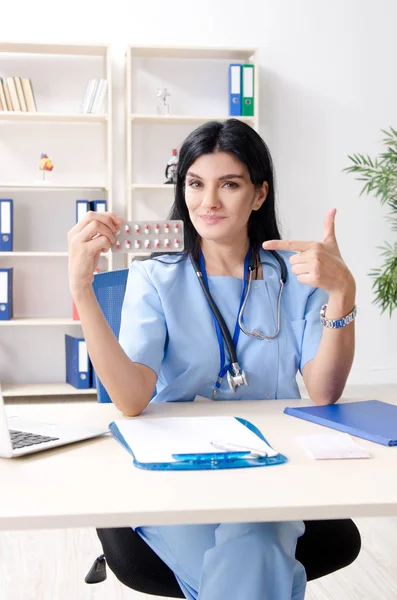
[235,375]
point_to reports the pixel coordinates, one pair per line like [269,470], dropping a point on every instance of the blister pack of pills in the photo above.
[150,236]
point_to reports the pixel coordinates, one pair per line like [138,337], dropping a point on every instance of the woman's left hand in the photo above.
[318,264]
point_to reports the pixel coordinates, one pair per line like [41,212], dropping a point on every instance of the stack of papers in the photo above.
[328,446]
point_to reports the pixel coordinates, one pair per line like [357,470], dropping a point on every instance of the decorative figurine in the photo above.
[46,164]
[172,168]
[163,108]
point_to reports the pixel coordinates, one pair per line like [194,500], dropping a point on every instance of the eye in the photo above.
[194,184]
[231,184]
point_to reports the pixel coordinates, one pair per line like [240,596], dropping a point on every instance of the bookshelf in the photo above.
[43,390]
[13,185]
[24,117]
[150,137]
[59,73]
[42,321]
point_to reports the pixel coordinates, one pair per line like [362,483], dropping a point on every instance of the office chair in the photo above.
[325,547]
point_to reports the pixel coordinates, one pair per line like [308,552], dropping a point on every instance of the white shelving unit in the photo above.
[41,321]
[50,186]
[30,52]
[164,54]
[32,390]
[50,117]
[194,119]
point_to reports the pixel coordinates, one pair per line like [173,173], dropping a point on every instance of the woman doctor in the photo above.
[169,347]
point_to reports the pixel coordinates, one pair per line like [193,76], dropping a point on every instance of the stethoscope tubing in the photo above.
[225,331]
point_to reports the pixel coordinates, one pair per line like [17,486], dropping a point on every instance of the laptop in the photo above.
[19,436]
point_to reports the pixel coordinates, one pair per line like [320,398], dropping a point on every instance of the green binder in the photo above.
[247,90]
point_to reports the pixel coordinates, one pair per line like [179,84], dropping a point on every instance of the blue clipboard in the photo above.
[207,461]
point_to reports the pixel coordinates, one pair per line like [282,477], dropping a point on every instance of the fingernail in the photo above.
[119,219]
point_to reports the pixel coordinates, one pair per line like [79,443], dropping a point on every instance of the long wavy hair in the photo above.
[247,146]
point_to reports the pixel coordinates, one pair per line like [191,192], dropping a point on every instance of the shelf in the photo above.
[191,52]
[13,390]
[153,186]
[51,186]
[48,254]
[141,118]
[44,254]
[41,321]
[35,117]
[71,49]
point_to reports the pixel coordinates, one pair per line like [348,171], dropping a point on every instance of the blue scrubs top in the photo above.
[167,324]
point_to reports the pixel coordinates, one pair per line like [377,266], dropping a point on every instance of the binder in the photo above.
[185,443]
[78,364]
[6,281]
[82,207]
[98,205]
[372,420]
[235,90]
[247,79]
[6,224]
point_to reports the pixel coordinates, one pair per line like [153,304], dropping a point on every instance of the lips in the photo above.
[212,219]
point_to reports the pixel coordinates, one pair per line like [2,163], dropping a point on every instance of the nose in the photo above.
[210,198]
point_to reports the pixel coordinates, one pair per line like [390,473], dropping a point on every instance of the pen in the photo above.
[228,446]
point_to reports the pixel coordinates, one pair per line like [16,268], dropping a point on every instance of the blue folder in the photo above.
[6,301]
[78,364]
[82,207]
[235,86]
[372,420]
[205,461]
[6,224]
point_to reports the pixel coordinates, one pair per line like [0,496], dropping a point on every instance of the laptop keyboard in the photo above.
[20,439]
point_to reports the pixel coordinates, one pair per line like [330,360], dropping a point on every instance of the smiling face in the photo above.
[220,197]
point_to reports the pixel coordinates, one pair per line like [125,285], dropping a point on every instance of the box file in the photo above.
[247,90]
[78,364]
[6,224]
[235,90]
[6,283]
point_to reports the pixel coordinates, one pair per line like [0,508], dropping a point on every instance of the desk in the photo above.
[94,484]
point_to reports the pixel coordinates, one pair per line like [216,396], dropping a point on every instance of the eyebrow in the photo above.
[222,178]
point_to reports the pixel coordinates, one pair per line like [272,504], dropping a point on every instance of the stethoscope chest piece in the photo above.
[237,378]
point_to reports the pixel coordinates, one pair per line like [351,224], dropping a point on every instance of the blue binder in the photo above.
[207,461]
[98,205]
[6,224]
[235,90]
[6,309]
[78,364]
[82,207]
[372,420]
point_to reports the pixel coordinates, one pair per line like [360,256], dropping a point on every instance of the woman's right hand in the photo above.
[95,233]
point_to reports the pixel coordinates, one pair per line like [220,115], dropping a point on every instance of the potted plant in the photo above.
[380,177]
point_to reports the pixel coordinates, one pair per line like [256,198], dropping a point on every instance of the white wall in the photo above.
[328,86]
